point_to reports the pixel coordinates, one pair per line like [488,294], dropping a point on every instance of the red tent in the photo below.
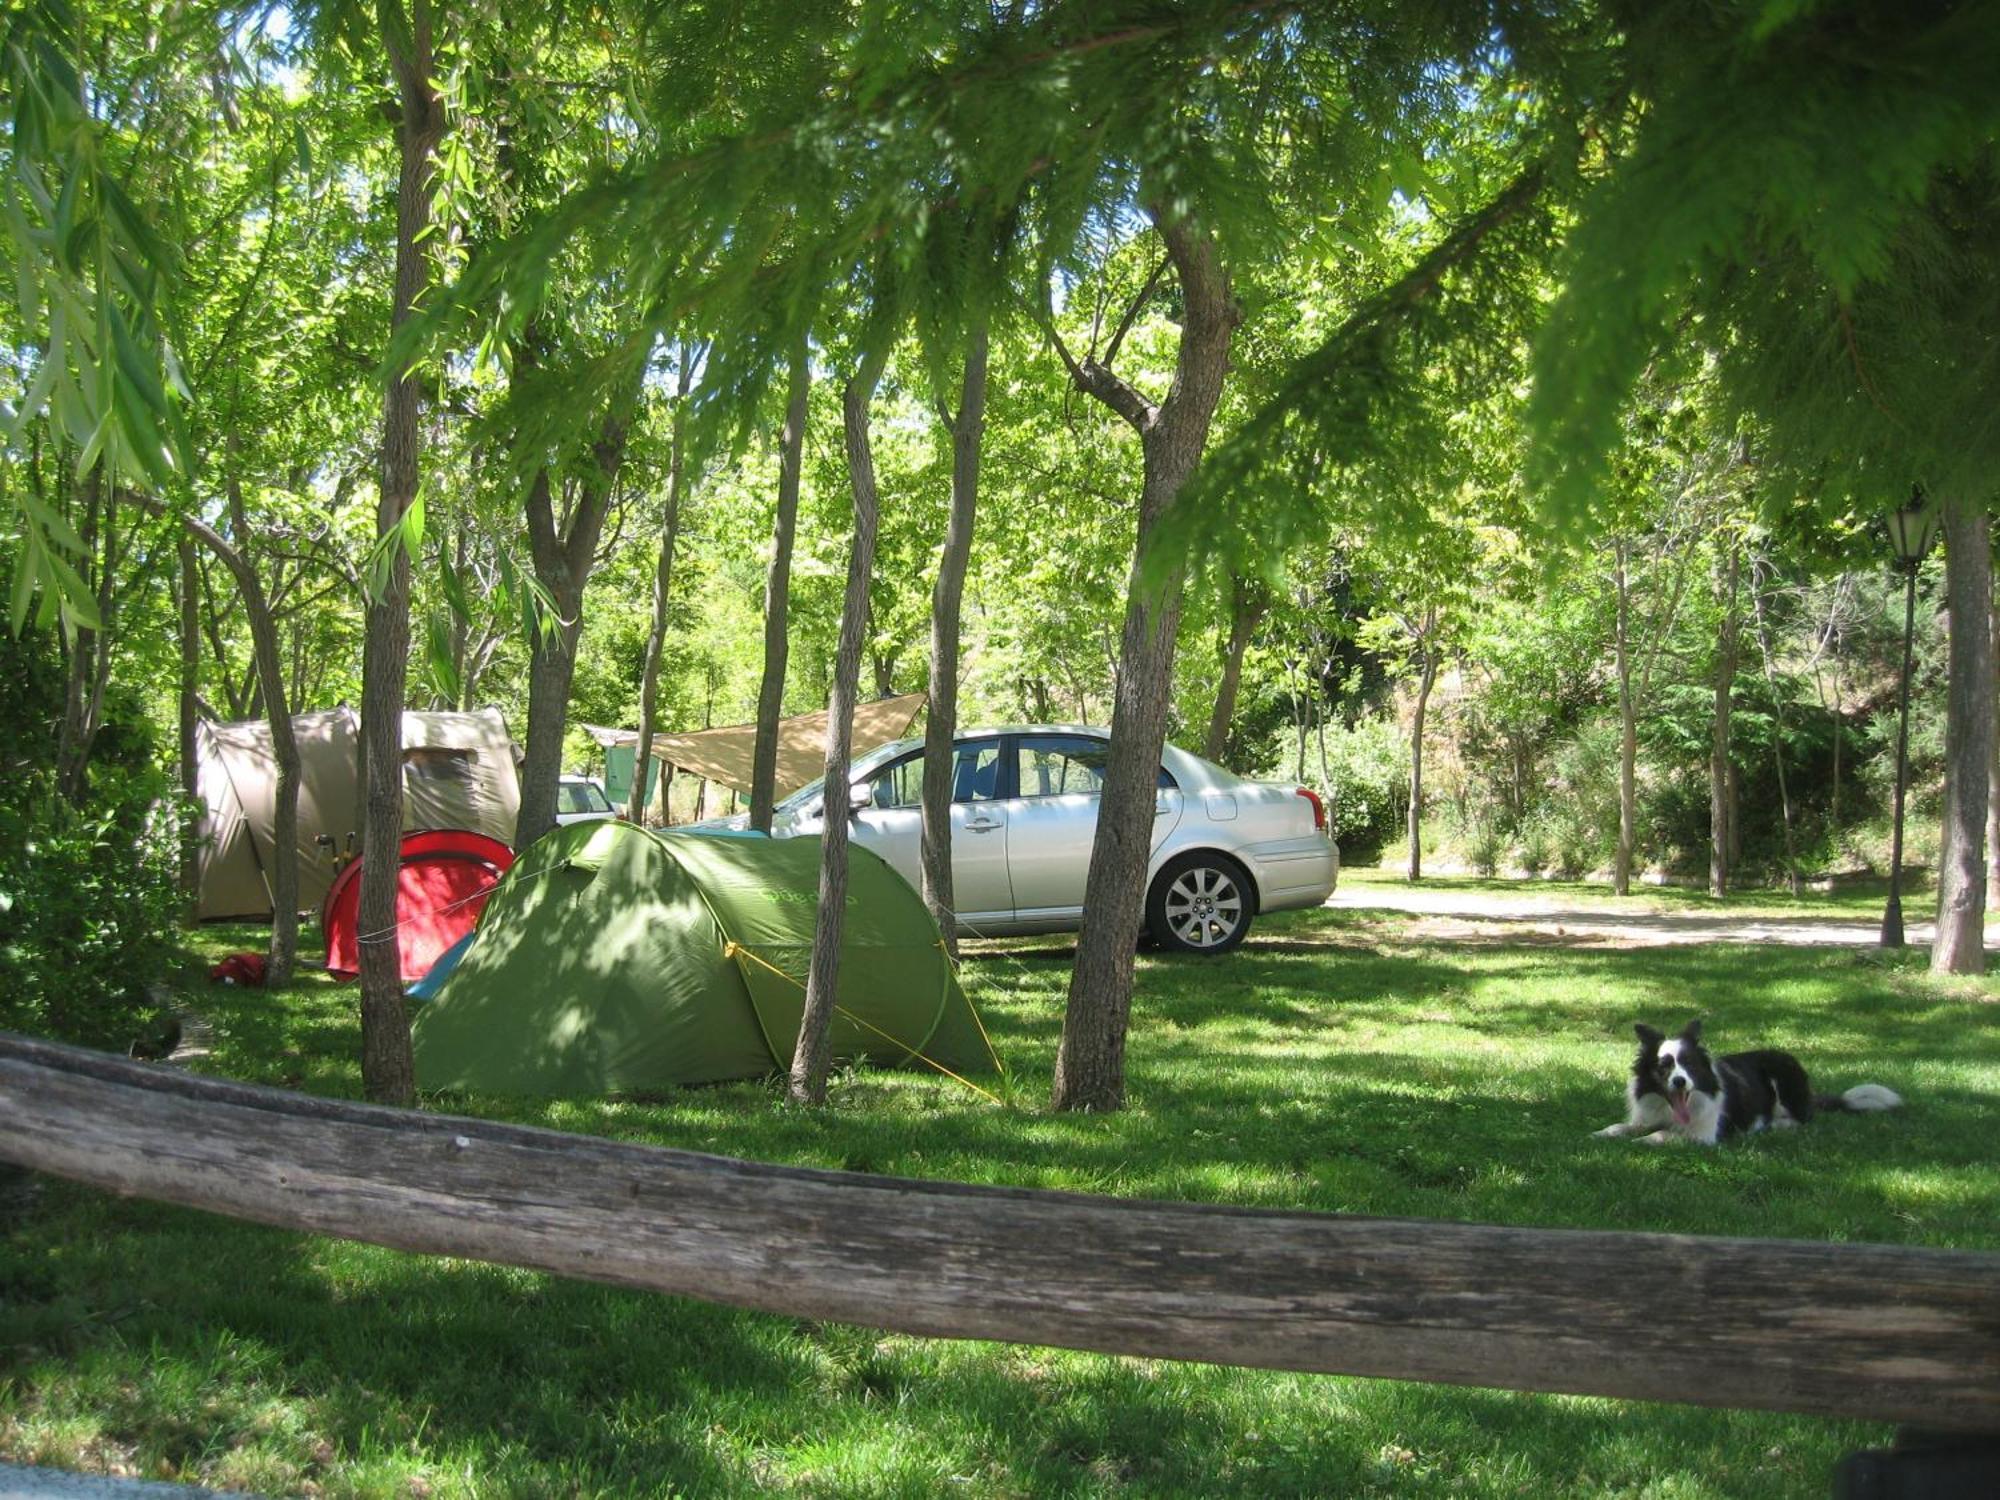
[446,876]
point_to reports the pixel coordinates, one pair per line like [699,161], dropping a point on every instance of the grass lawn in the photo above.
[1332,1064]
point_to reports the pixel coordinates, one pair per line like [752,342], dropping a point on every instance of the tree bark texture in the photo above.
[387,1073]
[564,553]
[813,1054]
[283,876]
[1628,733]
[90,656]
[1887,1333]
[1960,944]
[1794,882]
[1090,1059]
[189,600]
[1720,834]
[777,596]
[1992,779]
[1248,604]
[663,588]
[968,431]
[1416,813]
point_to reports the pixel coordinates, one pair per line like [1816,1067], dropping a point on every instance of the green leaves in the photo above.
[91,274]
[405,538]
[1783,179]
[46,583]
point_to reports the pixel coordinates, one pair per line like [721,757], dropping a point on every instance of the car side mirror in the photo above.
[860,798]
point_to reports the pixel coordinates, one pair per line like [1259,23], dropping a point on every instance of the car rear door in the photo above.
[1057,781]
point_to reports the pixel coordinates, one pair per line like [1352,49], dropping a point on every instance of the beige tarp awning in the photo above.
[724,755]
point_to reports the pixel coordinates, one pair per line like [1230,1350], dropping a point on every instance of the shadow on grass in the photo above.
[1337,1075]
[530,1385]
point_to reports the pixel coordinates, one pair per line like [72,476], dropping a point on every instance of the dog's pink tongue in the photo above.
[1678,1103]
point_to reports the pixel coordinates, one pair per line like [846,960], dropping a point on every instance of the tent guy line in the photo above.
[736,950]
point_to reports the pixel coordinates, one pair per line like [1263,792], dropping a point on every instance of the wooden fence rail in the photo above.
[1871,1331]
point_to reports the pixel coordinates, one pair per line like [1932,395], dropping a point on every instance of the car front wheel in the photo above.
[1200,903]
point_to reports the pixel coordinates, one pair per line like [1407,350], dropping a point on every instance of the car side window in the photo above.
[899,784]
[1056,765]
[1060,765]
[975,778]
[976,774]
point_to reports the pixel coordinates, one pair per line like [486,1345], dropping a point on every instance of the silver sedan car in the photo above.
[1024,814]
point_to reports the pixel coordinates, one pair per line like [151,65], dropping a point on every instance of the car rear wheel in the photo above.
[1200,903]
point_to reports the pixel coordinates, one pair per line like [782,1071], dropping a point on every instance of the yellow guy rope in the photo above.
[734,949]
[951,963]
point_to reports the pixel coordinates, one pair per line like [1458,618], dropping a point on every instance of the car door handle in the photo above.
[981,825]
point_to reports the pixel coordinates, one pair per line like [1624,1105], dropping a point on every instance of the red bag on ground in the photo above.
[246,969]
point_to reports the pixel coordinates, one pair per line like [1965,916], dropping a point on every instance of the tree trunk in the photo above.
[814,1053]
[1090,1059]
[190,694]
[1960,945]
[1301,714]
[1839,736]
[968,430]
[1248,604]
[1993,782]
[777,596]
[1628,735]
[663,584]
[387,1074]
[90,650]
[283,874]
[1416,813]
[1720,834]
[563,558]
[1793,882]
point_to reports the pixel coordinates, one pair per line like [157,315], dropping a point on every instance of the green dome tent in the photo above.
[613,959]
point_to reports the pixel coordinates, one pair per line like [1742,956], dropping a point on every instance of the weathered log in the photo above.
[1869,1331]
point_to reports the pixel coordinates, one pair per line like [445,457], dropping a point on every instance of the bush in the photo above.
[1366,787]
[1482,845]
[88,902]
[88,897]
[1581,807]
[1534,850]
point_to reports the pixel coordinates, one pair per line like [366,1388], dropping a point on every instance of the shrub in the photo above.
[1534,849]
[88,898]
[1581,807]
[88,901]
[1366,786]
[1482,845]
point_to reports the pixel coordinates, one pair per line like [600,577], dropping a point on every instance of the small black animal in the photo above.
[1679,1092]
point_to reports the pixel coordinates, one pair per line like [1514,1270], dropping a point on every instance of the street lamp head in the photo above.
[1912,529]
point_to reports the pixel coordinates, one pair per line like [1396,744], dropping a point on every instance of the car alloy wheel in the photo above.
[1200,904]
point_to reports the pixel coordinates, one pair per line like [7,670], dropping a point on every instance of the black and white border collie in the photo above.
[1679,1092]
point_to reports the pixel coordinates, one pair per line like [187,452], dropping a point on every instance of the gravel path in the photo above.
[1474,916]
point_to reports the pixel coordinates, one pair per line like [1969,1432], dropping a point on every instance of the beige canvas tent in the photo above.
[458,772]
[724,755]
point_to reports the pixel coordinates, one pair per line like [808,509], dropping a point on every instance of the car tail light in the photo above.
[1318,807]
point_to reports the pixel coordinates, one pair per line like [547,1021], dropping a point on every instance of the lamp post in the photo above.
[1910,532]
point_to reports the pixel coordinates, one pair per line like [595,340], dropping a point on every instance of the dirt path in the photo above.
[1477,916]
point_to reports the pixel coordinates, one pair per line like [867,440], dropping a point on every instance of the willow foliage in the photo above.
[92,274]
[1809,190]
